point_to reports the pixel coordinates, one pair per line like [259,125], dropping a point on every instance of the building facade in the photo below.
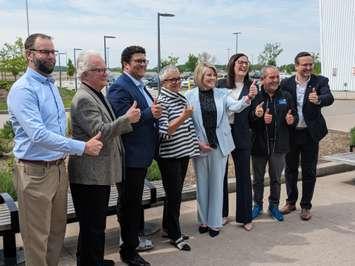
[337,43]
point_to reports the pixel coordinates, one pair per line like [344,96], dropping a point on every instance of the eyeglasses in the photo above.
[141,61]
[173,80]
[43,51]
[99,70]
[240,62]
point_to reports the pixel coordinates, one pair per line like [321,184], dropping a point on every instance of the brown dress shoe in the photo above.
[305,214]
[288,208]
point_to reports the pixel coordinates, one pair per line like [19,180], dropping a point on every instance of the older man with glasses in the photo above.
[38,118]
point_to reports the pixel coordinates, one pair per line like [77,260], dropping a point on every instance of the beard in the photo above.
[43,66]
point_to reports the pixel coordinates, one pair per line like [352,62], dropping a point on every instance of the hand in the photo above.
[259,111]
[93,146]
[133,113]
[289,118]
[156,109]
[204,147]
[267,117]
[313,96]
[187,112]
[253,90]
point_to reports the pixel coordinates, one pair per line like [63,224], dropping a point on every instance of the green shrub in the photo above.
[352,136]
[6,84]
[6,184]
[7,132]
[153,172]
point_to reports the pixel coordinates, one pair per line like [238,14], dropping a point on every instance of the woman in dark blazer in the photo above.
[240,84]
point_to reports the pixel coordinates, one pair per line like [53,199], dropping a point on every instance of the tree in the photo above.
[191,63]
[206,57]
[317,65]
[289,68]
[171,60]
[70,68]
[270,53]
[12,58]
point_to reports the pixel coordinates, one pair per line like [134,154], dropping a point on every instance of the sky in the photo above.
[198,26]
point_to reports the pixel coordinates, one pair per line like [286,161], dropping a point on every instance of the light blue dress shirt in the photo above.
[38,118]
[140,86]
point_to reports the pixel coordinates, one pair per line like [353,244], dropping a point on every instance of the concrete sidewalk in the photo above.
[327,239]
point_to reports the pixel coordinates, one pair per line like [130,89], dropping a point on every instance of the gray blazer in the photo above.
[88,117]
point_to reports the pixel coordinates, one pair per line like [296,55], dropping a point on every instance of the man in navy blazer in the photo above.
[140,145]
[310,93]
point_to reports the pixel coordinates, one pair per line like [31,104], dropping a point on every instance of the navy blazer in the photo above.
[241,131]
[312,112]
[140,145]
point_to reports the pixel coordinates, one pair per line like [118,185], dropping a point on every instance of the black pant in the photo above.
[90,203]
[173,172]
[276,163]
[302,146]
[241,159]
[131,209]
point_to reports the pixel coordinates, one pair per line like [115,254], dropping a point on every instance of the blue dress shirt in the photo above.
[39,121]
[140,86]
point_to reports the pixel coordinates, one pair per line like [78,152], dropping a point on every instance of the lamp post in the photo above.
[60,69]
[75,66]
[108,57]
[107,37]
[28,23]
[236,40]
[159,59]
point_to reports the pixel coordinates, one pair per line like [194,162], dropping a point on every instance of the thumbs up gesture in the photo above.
[187,112]
[289,118]
[93,146]
[253,90]
[156,109]
[267,117]
[313,96]
[259,111]
[133,113]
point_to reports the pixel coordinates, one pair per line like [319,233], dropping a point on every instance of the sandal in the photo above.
[181,244]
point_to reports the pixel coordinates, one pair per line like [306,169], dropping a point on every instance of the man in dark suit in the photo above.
[139,145]
[310,93]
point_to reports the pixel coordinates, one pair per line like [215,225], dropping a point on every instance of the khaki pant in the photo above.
[42,199]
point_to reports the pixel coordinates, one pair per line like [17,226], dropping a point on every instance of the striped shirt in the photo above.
[183,142]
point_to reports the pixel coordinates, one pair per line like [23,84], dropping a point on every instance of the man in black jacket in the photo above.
[273,113]
[310,93]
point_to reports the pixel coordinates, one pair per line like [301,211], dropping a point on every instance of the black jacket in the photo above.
[261,133]
[241,128]
[312,112]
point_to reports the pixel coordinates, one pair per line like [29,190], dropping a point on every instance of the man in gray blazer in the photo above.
[91,177]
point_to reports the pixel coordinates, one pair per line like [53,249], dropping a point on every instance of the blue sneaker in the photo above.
[275,213]
[257,211]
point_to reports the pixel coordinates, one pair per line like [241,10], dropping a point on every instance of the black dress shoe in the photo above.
[202,229]
[213,233]
[109,263]
[136,260]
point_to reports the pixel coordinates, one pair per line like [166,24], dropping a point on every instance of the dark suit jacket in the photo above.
[140,145]
[312,112]
[241,132]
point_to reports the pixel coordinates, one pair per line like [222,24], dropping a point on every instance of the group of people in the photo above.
[116,137]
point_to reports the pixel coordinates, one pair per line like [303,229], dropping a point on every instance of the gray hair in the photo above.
[83,61]
[266,68]
[167,69]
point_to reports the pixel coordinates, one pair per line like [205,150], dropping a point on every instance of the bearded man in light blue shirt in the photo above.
[39,122]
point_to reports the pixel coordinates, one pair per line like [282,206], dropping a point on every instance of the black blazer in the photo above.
[312,112]
[241,132]
[140,145]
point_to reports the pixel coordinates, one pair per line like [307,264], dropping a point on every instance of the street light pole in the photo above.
[236,40]
[107,37]
[60,69]
[76,65]
[108,57]
[28,24]
[159,58]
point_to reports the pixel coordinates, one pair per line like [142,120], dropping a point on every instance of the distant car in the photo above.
[188,82]
[152,82]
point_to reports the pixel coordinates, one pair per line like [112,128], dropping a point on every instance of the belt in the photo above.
[43,163]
